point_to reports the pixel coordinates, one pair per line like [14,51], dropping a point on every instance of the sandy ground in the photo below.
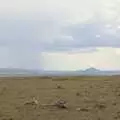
[88,98]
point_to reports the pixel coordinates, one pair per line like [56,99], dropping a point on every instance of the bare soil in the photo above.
[87,98]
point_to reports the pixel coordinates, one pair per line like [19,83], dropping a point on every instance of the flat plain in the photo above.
[87,98]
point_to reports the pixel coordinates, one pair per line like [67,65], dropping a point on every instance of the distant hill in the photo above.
[94,71]
[89,71]
[26,72]
[17,71]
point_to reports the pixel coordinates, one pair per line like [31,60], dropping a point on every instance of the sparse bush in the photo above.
[100,106]
[77,94]
[59,87]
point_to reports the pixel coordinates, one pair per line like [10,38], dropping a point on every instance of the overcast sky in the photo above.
[60,34]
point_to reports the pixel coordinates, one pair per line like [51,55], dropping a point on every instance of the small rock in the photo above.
[78,109]
[34,101]
[100,106]
[77,94]
[60,104]
[82,109]
[59,87]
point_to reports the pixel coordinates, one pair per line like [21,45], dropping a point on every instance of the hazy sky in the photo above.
[60,34]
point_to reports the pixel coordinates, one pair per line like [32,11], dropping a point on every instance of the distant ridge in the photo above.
[17,71]
[27,72]
[87,72]
[92,69]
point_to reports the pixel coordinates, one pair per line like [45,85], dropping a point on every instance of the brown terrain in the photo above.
[60,98]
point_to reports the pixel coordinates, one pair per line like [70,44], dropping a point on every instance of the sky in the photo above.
[60,34]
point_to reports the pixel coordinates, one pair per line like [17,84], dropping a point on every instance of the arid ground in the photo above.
[87,98]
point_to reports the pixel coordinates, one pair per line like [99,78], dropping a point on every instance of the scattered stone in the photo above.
[117,115]
[59,87]
[77,94]
[34,101]
[78,109]
[11,119]
[60,104]
[85,109]
[100,106]
[114,103]
[82,109]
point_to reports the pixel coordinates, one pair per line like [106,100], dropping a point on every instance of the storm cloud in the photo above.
[28,28]
[26,40]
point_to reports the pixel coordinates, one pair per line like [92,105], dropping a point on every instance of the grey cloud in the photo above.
[84,36]
[26,39]
[23,48]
